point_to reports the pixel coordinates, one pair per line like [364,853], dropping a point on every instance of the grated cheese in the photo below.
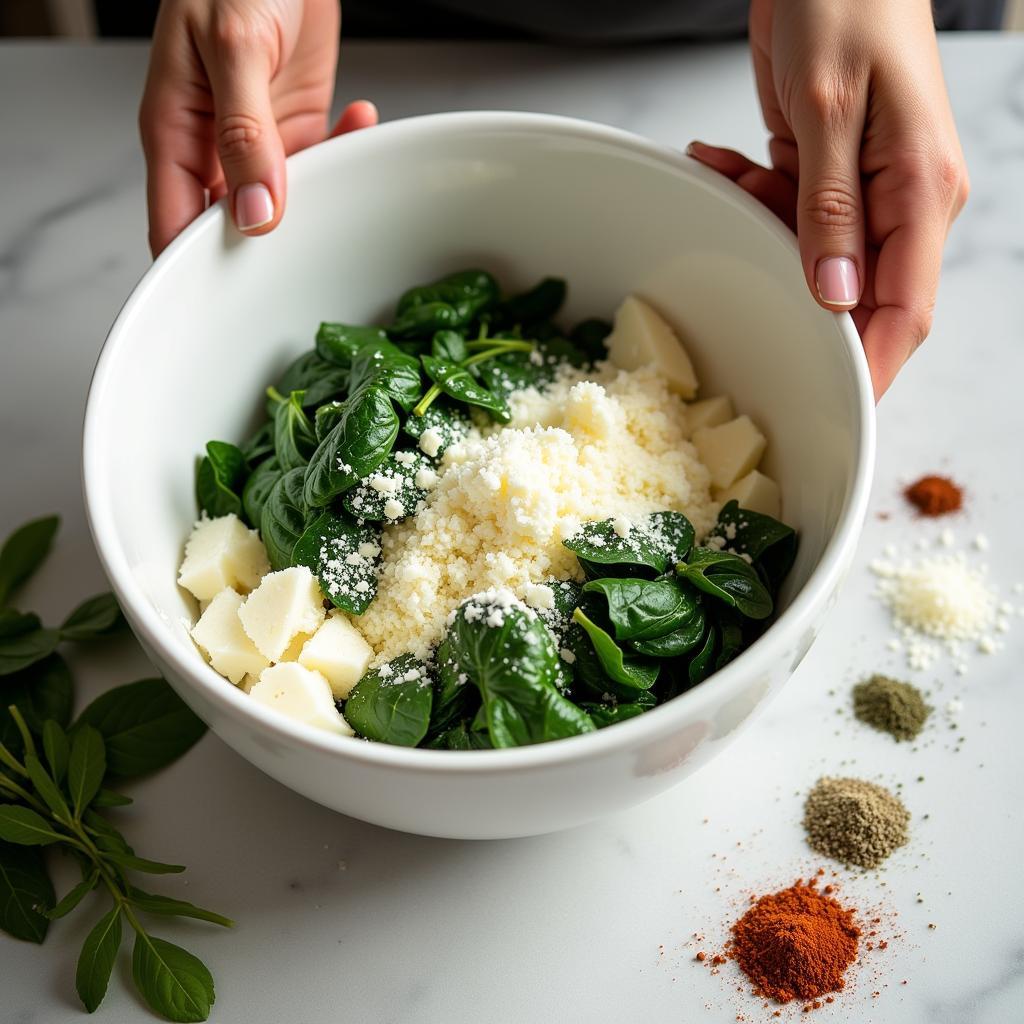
[607,443]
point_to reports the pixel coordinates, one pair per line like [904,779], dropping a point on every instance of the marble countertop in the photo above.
[341,920]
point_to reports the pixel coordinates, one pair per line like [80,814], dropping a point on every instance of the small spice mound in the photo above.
[890,706]
[934,495]
[855,822]
[796,944]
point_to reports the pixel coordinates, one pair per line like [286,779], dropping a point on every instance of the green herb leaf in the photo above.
[541,302]
[283,518]
[461,737]
[99,616]
[640,609]
[770,544]
[315,377]
[74,896]
[105,836]
[171,980]
[257,489]
[23,552]
[57,749]
[40,692]
[511,659]
[338,343]
[96,961]
[355,447]
[46,788]
[145,726]
[21,825]
[702,664]
[392,703]
[220,479]
[458,383]
[19,652]
[649,547]
[14,623]
[294,439]
[168,907]
[108,798]
[149,867]
[730,579]
[344,557]
[604,715]
[449,345]
[327,416]
[25,888]
[629,672]
[455,698]
[467,292]
[87,766]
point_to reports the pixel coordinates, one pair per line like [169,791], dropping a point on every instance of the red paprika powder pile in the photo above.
[796,943]
[934,495]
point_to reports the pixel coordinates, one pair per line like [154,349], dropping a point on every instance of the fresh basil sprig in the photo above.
[53,777]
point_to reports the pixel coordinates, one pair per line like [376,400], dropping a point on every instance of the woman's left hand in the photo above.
[866,163]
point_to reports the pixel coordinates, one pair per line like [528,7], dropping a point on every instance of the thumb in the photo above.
[830,210]
[248,141]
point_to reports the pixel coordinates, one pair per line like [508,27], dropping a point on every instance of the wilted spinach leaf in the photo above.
[394,480]
[260,446]
[318,379]
[468,292]
[384,365]
[541,302]
[631,673]
[603,715]
[458,383]
[257,489]
[294,439]
[392,703]
[449,422]
[680,641]
[455,698]
[770,544]
[648,548]
[338,343]
[327,415]
[449,345]
[590,336]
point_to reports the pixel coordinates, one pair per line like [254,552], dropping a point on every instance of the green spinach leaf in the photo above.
[385,366]
[283,518]
[449,345]
[257,489]
[770,544]
[260,446]
[393,481]
[629,672]
[316,378]
[294,439]
[220,479]
[680,641]
[640,609]
[512,660]
[392,703]
[603,715]
[448,423]
[458,383]
[327,416]
[589,335]
[647,548]
[468,292]
[455,698]
[338,343]
[728,578]
[541,302]
[461,737]
[359,442]
[345,558]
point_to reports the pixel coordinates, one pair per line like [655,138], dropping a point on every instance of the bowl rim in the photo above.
[639,731]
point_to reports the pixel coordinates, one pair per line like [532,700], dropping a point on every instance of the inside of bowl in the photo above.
[374,212]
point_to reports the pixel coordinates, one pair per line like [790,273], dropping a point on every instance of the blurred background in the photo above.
[112,19]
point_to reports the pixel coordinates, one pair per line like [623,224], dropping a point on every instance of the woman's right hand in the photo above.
[234,86]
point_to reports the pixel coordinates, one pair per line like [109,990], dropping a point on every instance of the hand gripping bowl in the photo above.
[219,316]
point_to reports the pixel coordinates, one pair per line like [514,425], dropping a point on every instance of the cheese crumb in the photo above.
[431,441]
[539,595]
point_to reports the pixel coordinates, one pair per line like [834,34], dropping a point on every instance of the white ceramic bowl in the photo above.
[218,317]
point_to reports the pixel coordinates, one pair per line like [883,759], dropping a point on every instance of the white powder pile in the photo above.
[940,602]
[507,498]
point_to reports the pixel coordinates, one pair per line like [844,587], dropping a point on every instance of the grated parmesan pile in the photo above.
[941,601]
[611,445]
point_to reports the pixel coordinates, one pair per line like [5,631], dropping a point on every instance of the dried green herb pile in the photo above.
[891,706]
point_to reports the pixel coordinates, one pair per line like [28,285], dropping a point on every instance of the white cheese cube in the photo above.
[337,651]
[642,338]
[730,450]
[220,635]
[302,694]
[755,491]
[285,604]
[709,412]
[222,553]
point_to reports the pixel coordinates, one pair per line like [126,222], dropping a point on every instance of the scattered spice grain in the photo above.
[891,706]
[855,822]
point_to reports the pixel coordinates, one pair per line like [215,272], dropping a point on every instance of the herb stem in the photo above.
[12,787]
[427,400]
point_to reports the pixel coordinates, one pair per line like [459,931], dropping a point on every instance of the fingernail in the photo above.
[838,281]
[253,207]
[694,148]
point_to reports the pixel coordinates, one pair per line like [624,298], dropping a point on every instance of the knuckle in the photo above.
[831,98]
[233,34]
[237,135]
[833,207]
[950,176]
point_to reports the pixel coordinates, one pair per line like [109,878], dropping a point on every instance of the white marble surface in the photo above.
[342,921]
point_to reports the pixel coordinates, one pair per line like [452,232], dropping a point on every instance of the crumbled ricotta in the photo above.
[607,444]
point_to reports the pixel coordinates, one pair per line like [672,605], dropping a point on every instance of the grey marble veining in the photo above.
[340,920]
